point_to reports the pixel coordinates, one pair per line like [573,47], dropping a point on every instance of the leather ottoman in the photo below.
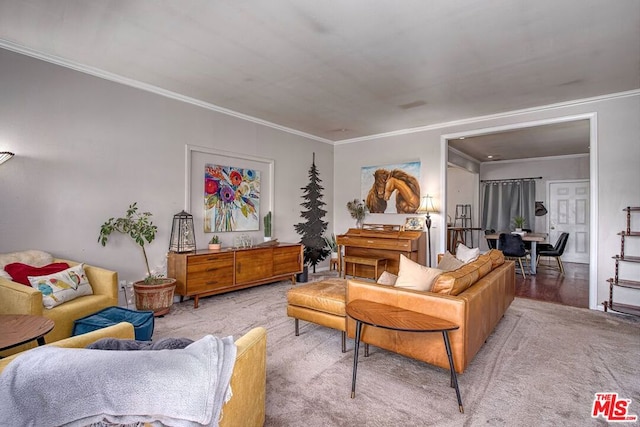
[322,303]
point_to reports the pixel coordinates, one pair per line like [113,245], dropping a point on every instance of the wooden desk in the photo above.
[17,329]
[398,319]
[534,238]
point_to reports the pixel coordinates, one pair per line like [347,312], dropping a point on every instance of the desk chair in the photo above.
[512,247]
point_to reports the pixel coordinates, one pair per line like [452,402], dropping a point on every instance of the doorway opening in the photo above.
[452,156]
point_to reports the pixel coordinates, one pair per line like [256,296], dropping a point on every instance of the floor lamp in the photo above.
[427,207]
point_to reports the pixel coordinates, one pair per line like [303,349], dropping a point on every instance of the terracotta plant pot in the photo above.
[157,297]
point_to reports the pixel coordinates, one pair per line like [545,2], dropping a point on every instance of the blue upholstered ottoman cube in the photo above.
[142,321]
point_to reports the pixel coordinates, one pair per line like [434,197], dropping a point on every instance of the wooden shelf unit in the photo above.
[205,272]
[616,281]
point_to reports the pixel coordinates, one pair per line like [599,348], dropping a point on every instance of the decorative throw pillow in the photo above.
[387,278]
[63,286]
[412,275]
[449,262]
[466,254]
[20,272]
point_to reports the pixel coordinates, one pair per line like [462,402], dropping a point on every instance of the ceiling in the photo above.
[337,70]
[559,139]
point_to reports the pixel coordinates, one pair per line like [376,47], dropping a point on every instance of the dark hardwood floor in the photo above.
[549,285]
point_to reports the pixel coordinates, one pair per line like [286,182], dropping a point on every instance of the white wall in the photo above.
[86,148]
[617,170]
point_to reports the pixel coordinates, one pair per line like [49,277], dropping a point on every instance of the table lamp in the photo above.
[427,207]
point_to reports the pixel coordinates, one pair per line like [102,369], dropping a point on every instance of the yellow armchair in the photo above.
[248,381]
[16,298]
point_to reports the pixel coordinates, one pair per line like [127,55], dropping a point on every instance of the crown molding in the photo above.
[96,72]
[14,47]
[474,120]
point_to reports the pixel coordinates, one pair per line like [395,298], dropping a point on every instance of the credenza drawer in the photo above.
[210,259]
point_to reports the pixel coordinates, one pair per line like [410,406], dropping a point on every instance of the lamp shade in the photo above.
[426,205]
[5,155]
[183,236]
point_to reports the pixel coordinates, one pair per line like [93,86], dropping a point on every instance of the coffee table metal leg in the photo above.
[454,377]
[41,341]
[355,358]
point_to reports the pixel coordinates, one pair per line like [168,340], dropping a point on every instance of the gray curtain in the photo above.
[504,200]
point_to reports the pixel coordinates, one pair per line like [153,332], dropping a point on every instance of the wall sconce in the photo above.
[427,207]
[183,236]
[5,155]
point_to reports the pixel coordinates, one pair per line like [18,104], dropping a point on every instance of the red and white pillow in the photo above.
[20,272]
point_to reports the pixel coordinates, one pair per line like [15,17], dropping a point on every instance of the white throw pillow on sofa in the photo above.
[466,254]
[412,275]
[449,262]
[387,278]
[63,286]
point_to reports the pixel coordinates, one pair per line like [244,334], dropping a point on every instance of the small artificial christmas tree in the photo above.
[312,231]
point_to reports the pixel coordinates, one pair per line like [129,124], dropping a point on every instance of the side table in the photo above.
[17,329]
[398,319]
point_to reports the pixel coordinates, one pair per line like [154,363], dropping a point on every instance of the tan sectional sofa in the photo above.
[16,298]
[475,297]
[248,382]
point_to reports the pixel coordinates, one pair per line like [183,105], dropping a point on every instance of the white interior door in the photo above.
[569,212]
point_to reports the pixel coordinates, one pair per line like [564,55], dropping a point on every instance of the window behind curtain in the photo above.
[504,200]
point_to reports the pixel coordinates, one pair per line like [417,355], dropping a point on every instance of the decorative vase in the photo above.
[215,246]
[157,297]
[359,222]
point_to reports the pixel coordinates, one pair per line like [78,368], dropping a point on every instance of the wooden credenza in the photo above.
[388,244]
[205,272]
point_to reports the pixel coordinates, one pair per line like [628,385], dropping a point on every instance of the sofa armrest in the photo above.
[103,281]
[16,298]
[248,382]
[121,330]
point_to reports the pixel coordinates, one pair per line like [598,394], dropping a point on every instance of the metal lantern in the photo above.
[183,236]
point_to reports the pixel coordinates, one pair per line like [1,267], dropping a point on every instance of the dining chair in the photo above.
[512,247]
[491,242]
[555,251]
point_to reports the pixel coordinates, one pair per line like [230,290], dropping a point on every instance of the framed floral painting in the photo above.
[231,198]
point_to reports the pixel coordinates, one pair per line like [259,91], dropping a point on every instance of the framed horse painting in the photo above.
[393,188]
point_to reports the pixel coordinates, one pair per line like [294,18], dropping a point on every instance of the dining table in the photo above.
[534,238]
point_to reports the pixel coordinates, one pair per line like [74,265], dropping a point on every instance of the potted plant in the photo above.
[358,211]
[519,221]
[214,243]
[332,245]
[154,292]
[267,227]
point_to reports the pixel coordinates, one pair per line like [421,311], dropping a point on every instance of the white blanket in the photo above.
[50,386]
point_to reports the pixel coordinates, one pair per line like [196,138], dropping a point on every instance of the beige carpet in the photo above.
[541,367]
